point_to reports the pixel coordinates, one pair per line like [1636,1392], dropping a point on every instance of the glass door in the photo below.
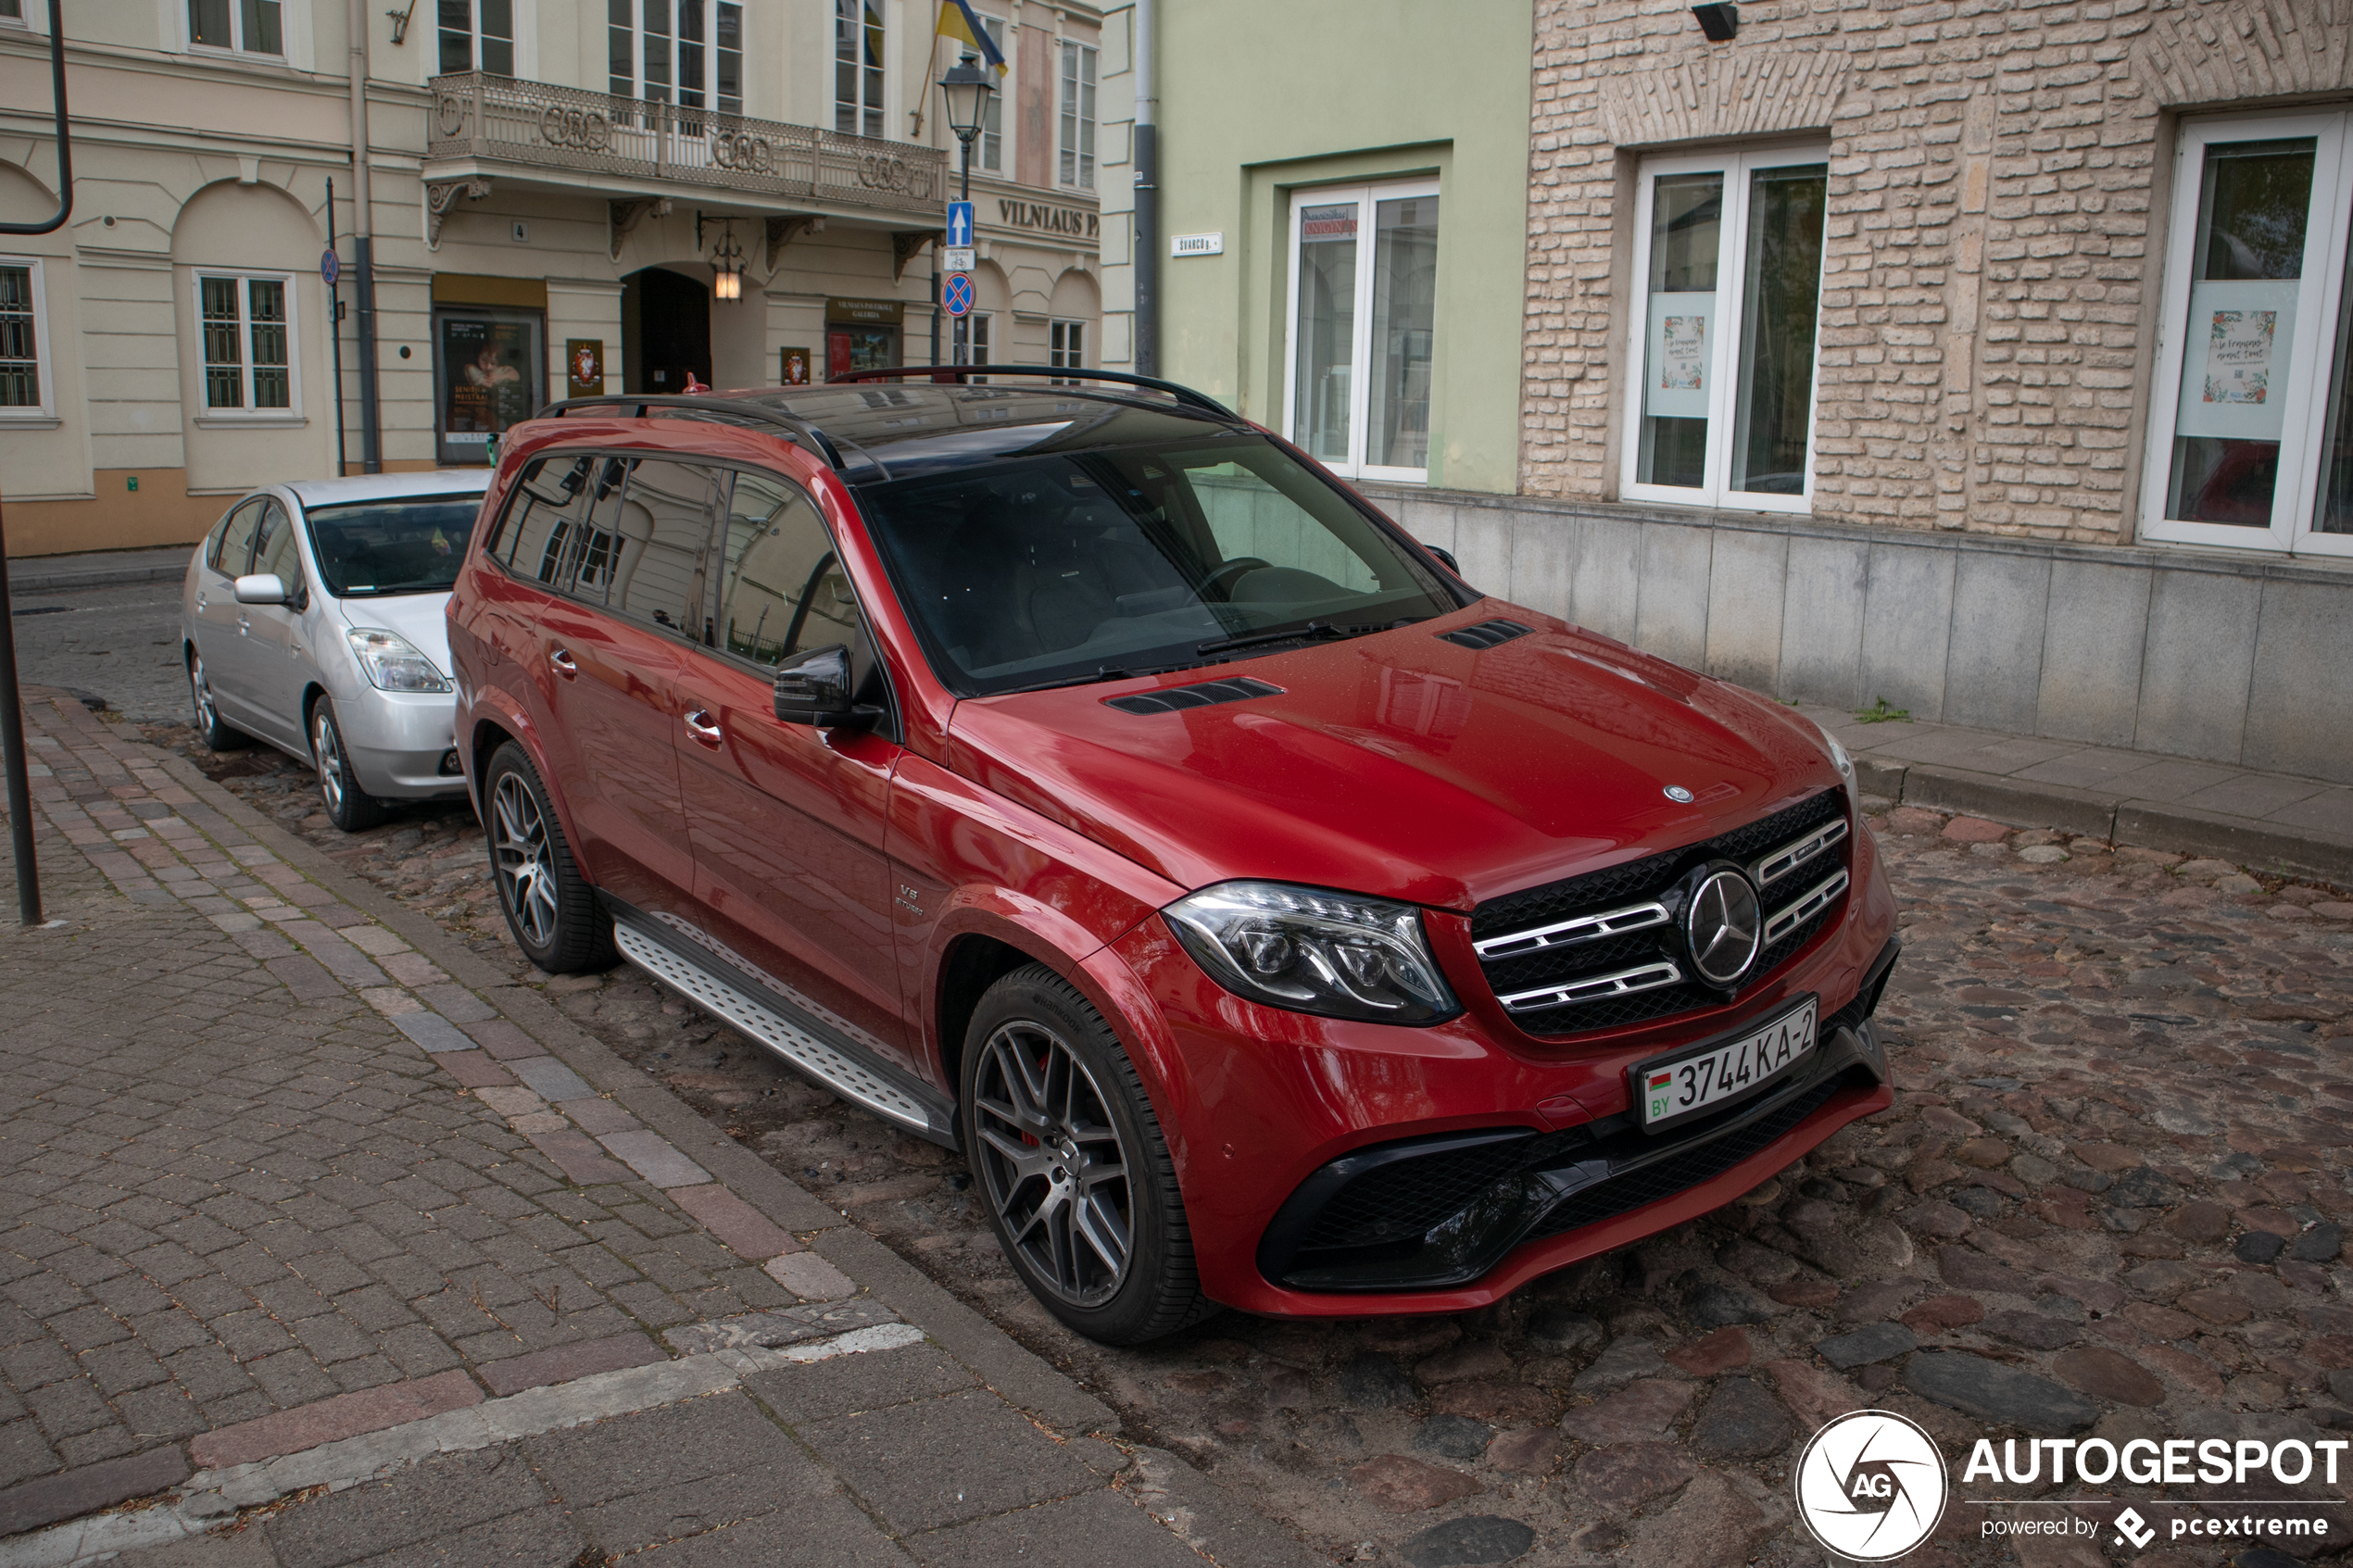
[1729,271]
[1364,291]
[2251,430]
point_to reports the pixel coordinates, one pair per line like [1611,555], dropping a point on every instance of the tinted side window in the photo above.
[592,546]
[235,550]
[274,547]
[542,516]
[780,587]
[653,551]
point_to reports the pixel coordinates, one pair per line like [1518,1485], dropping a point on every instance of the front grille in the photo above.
[1682,1171]
[1403,1200]
[1510,923]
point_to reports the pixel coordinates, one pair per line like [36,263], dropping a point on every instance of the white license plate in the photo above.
[1669,1088]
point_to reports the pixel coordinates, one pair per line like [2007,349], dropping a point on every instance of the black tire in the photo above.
[349,807]
[216,735]
[1039,1167]
[549,905]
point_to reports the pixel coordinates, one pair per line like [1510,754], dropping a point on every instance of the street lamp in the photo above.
[727,264]
[966,87]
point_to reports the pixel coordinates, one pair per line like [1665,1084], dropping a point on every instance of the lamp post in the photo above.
[966,87]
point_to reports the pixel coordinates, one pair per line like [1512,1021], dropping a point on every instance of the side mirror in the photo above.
[815,687]
[1446,559]
[262,588]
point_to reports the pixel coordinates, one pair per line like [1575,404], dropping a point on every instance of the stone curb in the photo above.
[26,585]
[1017,1375]
[2150,824]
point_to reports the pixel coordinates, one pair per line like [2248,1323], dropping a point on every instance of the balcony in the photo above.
[486,125]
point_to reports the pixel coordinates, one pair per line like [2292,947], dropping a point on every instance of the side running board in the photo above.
[854,1080]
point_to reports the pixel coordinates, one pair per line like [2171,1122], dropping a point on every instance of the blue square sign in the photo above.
[960,223]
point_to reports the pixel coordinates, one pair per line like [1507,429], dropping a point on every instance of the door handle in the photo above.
[565,665]
[699,725]
[244,625]
[199,604]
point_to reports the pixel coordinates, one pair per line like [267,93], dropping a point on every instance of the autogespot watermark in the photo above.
[1872,1486]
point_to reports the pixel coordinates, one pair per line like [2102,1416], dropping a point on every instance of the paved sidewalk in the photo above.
[2273,821]
[323,1243]
[50,575]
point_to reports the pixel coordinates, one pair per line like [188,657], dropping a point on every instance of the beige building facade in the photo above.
[561,190]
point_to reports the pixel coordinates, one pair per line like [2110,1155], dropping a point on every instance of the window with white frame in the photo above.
[24,368]
[1728,286]
[2252,428]
[478,35]
[247,327]
[992,121]
[249,27]
[1066,346]
[684,52]
[11,10]
[975,330]
[1077,142]
[857,68]
[1362,326]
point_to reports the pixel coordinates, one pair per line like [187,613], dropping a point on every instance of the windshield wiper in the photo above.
[1314,631]
[1106,672]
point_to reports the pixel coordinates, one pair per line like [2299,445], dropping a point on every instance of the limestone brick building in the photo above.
[566,196]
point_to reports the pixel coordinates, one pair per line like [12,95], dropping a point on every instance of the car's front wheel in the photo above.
[205,716]
[349,807]
[549,905]
[1073,1165]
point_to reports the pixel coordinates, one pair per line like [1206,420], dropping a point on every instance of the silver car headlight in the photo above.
[1311,951]
[392,663]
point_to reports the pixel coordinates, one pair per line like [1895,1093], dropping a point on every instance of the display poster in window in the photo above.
[796,367]
[1679,359]
[492,378]
[2236,357]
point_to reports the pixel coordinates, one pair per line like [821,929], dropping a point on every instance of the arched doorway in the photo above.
[665,331]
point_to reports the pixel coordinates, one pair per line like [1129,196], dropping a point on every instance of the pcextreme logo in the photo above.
[1870,1485]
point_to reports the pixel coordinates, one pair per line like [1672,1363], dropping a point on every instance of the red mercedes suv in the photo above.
[1080,776]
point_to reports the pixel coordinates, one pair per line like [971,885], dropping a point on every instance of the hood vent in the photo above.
[1204,694]
[1486,634]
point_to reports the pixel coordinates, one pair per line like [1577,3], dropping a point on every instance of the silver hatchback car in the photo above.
[312,619]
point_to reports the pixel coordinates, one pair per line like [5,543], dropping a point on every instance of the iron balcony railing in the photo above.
[498,119]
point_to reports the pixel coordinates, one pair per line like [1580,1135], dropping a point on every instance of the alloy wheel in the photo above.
[200,694]
[519,846]
[1053,1163]
[326,745]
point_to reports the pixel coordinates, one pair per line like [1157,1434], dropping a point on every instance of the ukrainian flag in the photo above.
[957,21]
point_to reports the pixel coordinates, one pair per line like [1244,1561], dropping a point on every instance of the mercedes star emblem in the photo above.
[1723,926]
[1678,795]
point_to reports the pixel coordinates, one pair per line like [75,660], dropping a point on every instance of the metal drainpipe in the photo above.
[1147,154]
[363,258]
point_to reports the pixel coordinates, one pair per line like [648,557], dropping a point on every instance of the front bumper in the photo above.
[1267,1112]
[401,744]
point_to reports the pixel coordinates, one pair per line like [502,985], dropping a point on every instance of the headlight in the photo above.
[393,663]
[1844,763]
[1313,951]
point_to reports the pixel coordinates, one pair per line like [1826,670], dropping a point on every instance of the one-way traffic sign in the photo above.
[960,223]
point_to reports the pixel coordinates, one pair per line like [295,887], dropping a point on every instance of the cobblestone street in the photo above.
[2114,1181]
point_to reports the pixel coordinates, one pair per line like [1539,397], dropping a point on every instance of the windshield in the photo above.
[411,545]
[1091,565]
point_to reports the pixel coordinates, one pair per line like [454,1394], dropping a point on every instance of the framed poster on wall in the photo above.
[796,367]
[490,375]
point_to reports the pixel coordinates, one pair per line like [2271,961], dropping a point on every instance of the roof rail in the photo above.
[1181,393]
[718,410]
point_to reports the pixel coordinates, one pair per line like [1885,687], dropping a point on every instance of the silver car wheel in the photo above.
[327,747]
[200,695]
[1053,1164]
[519,843]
